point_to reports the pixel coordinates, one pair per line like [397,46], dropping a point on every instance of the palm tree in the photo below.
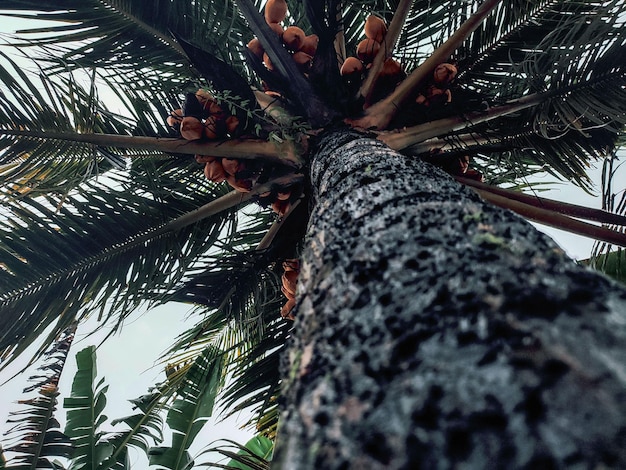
[431,328]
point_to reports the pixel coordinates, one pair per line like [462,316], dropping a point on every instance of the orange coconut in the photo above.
[232,123]
[375,28]
[302,60]
[367,49]
[191,128]
[275,11]
[309,46]
[277,28]
[444,74]
[256,48]
[351,66]
[293,38]
[214,171]
[173,120]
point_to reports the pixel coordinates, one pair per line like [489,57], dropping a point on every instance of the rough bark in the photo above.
[436,331]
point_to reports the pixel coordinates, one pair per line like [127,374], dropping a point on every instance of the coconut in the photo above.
[256,48]
[367,49]
[302,60]
[375,28]
[277,28]
[191,128]
[204,158]
[232,166]
[214,171]
[174,119]
[243,186]
[285,311]
[351,66]
[267,61]
[210,128]
[232,123]
[444,74]
[293,38]
[309,46]
[275,11]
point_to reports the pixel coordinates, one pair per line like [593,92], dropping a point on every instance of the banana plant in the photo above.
[192,405]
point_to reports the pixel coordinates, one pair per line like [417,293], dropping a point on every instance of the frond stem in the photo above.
[248,149]
[573,210]
[399,140]
[554,219]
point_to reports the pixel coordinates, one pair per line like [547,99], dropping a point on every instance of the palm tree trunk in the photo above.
[434,330]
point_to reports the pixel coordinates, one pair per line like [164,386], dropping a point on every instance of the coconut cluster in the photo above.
[202,118]
[355,67]
[437,91]
[301,46]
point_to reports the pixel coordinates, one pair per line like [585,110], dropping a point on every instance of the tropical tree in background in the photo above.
[419,308]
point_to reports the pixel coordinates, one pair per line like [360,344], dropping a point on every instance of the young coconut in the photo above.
[267,61]
[232,166]
[256,48]
[275,11]
[232,123]
[289,280]
[211,128]
[204,158]
[293,38]
[444,74]
[367,49]
[285,311]
[277,28]
[241,185]
[302,60]
[351,67]
[214,171]
[280,207]
[309,46]
[375,28]
[191,128]
[392,68]
[174,119]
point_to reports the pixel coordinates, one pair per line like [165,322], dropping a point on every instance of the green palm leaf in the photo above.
[35,429]
[89,237]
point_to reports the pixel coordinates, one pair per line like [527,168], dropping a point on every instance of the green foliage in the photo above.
[192,406]
[35,433]
[612,264]
[84,415]
[256,454]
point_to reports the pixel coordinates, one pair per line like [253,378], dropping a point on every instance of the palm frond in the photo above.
[145,428]
[73,240]
[35,428]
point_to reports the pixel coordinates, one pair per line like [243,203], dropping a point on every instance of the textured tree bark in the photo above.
[436,331]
